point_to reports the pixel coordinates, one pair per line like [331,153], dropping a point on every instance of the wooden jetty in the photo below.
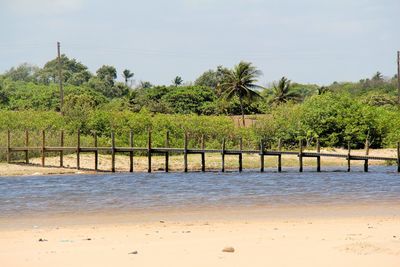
[167,150]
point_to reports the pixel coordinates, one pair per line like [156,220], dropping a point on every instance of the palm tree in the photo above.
[240,82]
[177,81]
[127,74]
[282,92]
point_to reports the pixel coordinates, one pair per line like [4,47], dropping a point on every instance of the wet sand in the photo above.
[355,235]
[213,162]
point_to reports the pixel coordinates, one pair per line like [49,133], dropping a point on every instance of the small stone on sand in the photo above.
[42,240]
[228,249]
[133,252]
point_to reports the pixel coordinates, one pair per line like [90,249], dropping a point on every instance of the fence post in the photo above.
[112,151]
[318,156]
[223,156]
[27,147]
[131,152]
[348,157]
[185,155]
[301,155]
[8,147]
[149,152]
[62,151]
[366,153]
[203,155]
[280,155]
[262,148]
[43,147]
[167,153]
[78,151]
[240,154]
[96,152]
[398,157]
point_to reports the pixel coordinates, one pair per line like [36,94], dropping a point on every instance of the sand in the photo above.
[213,162]
[307,236]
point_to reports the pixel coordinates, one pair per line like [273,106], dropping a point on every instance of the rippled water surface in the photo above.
[120,192]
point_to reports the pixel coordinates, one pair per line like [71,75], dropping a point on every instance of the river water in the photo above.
[60,194]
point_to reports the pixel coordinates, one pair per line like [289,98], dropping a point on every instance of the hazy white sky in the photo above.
[317,41]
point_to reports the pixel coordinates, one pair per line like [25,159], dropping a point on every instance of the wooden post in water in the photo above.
[366,153]
[167,153]
[149,152]
[223,155]
[185,155]
[43,147]
[78,151]
[27,147]
[279,156]
[112,151]
[398,157]
[301,155]
[203,155]
[262,148]
[96,152]
[318,157]
[8,147]
[131,152]
[348,157]
[240,154]
[62,151]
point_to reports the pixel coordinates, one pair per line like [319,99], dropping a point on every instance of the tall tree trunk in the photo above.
[241,107]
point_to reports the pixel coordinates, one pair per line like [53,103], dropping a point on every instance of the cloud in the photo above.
[41,7]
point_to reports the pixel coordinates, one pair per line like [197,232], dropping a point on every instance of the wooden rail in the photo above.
[150,151]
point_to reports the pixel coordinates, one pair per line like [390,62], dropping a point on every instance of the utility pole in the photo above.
[60,79]
[398,78]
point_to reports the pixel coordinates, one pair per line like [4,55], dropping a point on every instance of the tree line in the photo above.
[335,114]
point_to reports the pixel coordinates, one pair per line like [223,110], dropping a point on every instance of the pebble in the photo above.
[228,249]
[133,252]
[42,240]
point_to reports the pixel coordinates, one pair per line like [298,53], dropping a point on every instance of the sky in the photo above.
[308,41]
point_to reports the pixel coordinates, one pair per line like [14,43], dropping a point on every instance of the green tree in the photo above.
[24,72]
[282,92]
[107,74]
[211,78]
[177,81]
[241,82]
[127,74]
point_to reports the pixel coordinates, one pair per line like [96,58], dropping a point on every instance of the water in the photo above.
[159,191]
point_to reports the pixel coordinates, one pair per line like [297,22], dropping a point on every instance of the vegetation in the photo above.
[335,114]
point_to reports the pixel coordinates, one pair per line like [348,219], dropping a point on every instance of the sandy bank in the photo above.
[354,236]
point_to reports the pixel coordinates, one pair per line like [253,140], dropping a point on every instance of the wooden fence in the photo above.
[166,151]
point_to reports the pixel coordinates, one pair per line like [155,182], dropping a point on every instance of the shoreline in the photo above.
[213,163]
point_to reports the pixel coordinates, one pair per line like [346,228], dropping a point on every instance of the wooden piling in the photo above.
[112,151]
[43,147]
[241,154]
[131,152]
[27,147]
[262,149]
[78,151]
[149,152]
[167,153]
[203,154]
[8,146]
[398,157]
[301,155]
[96,152]
[61,151]
[348,157]
[318,157]
[366,153]
[185,154]
[223,156]
[280,155]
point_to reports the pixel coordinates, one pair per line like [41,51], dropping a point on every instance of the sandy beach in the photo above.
[213,162]
[308,236]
